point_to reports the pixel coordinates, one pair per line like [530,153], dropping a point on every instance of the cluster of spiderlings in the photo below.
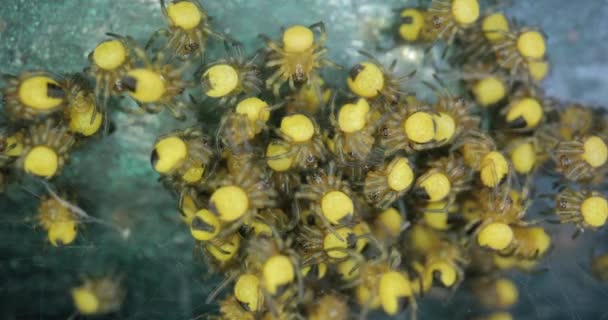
[368,199]
[322,204]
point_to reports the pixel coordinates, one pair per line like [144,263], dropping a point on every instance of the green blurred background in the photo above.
[112,178]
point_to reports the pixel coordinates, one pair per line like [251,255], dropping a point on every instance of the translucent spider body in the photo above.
[445,19]
[309,98]
[182,158]
[109,62]
[98,296]
[329,197]
[222,251]
[409,128]
[478,41]
[60,223]
[523,52]
[157,85]
[575,120]
[355,131]
[585,209]
[231,309]
[386,184]
[240,126]
[81,112]
[444,180]
[496,293]
[232,78]
[599,267]
[298,58]
[528,243]
[188,28]
[322,246]
[46,149]
[32,95]
[11,147]
[301,136]
[445,265]
[582,159]
[329,306]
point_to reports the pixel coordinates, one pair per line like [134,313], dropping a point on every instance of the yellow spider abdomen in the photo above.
[278,271]
[298,39]
[489,91]
[436,186]
[445,127]
[227,250]
[82,111]
[246,291]
[595,211]
[531,44]
[62,232]
[412,22]
[335,246]
[169,153]
[144,85]
[465,12]
[194,174]
[110,55]
[525,113]
[436,215]
[41,161]
[230,202]
[495,26]
[184,14]
[420,127]
[14,146]
[85,301]
[223,79]
[391,221]
[353,117]
[348,269]
[495,235]
[366,80]
[538,69]
[523,158]
[41,93]
[321,270]
[298,127]
[506,293]
[595,152]
[281,164]
[204,225]
[447,273]
[401,175]
[494,167]
[255,109]
[393,287]
[335,206]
